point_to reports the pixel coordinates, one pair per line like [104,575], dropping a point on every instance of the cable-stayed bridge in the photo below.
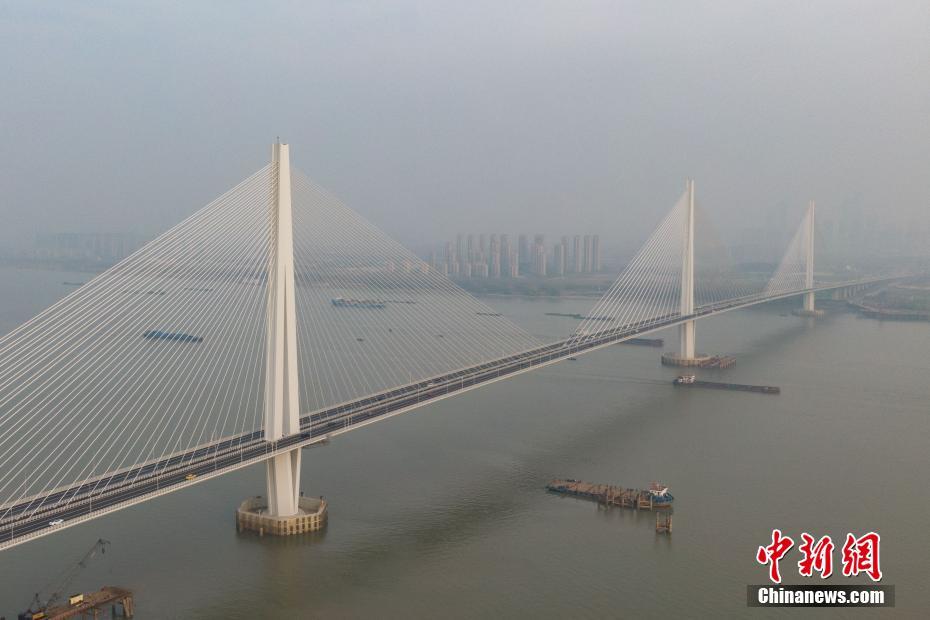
[274,318]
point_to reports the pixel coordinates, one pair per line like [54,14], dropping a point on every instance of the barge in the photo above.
[342,302]
[156,334]
[691,381]
[656,497]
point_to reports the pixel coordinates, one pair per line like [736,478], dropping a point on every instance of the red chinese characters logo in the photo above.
[773,553]
[860,555]
[817,556]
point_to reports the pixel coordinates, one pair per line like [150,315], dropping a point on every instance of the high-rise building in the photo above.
[523,250]
[558,264]
[539,255]
[460,254]
[495,261]
[586,260]
[577,264]
[596,253]
[514,264]
[449,257]
[506,251]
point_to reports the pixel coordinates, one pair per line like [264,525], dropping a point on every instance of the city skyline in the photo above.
[497,255]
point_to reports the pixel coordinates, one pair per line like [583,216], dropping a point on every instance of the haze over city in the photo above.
[431,117]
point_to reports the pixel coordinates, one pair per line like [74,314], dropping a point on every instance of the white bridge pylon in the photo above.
[796,270]
[809,263]
[661,281]
[686,349]
[282,389]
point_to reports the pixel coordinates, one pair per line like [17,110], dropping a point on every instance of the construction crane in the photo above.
[59,585]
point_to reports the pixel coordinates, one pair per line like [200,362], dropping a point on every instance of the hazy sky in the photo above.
[432,117]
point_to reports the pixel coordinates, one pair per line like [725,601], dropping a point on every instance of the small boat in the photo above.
[155,334]
[659,493]
[685,379]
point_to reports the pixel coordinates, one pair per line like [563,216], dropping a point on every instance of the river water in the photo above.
[442,513]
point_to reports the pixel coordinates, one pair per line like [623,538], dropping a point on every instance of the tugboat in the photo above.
[685,379]
[660,494]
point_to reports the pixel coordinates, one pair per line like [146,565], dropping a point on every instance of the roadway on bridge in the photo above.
[33,517]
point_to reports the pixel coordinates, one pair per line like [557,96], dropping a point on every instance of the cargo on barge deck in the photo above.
[656,497]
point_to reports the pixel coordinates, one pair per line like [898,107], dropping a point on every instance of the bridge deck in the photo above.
[32,517]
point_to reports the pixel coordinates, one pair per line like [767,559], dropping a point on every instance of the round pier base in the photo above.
[810,313]
[253,516]
[674,359]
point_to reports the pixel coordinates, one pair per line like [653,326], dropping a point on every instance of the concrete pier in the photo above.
[676,359]
[253,515]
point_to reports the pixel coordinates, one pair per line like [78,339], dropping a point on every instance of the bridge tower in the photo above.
[282,403]
[809,309]
[809,273]
[686,350]
[686,355]
[284,511]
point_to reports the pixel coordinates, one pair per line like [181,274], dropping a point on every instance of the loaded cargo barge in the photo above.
[656,497]
[690,381]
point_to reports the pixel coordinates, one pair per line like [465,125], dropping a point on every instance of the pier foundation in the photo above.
[253,515]
[676,359]
[809,309]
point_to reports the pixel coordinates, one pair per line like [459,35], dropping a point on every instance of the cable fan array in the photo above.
[791,274]
[716,277]
[648,290]
[165,351]
[372,315]
[160,353]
